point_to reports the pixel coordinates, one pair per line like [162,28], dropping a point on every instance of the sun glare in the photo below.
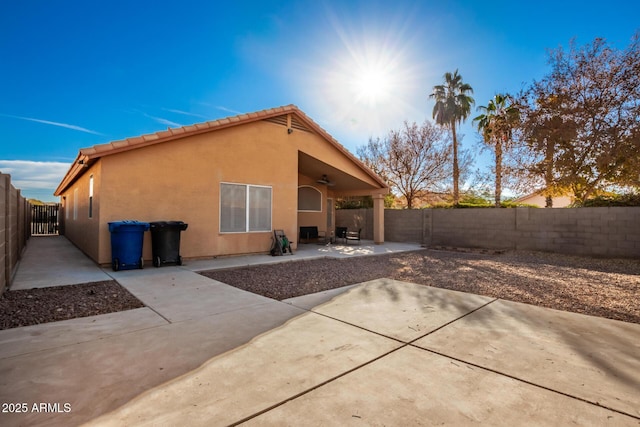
[367,78]
[372,86]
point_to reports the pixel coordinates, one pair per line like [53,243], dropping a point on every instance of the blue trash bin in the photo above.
[126,244]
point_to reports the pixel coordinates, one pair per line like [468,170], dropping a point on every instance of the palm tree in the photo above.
[453,104]
[495,124]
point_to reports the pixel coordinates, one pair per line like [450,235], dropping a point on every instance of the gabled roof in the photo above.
[86,156]
[540,192]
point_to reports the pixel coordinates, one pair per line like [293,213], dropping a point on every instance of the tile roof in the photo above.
[87,155]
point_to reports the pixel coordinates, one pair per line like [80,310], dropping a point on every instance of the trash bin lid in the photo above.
[115,225]
[180,225]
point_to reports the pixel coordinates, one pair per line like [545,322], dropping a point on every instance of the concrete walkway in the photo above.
[54,261]
[379,353]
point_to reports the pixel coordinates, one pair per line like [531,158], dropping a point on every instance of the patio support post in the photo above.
[378,219]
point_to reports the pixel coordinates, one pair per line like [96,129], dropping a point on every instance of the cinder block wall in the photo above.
[474,228]
[404,225]
[14,231]
[609,232]
[4,276]
[355,219]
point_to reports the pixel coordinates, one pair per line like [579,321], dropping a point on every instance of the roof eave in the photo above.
[76,169]
[89,155]
[340,147]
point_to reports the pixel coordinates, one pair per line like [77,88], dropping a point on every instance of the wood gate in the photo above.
[44,219]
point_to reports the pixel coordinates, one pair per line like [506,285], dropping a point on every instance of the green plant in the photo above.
[453,103]
[364,202]
[471,198]
[485,204]
[496,124]
[610,201]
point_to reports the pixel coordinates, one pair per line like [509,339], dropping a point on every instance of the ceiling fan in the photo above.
[325,180]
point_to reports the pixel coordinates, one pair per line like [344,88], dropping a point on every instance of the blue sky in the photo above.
[78,73]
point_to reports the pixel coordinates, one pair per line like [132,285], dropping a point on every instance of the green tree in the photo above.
[496,124]
[452,107]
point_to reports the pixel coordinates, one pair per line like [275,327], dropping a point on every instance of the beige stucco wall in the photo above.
[318,219]
[83,231]
[180,180]
[540,201]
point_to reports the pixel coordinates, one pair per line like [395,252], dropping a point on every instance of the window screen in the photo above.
[75,204]
[233,202]
[244,208]
[259,209]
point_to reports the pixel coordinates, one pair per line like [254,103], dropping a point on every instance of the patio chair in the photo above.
[353,236]
[280,244]
[341,233]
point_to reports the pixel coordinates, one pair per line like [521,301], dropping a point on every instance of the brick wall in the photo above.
[609,232]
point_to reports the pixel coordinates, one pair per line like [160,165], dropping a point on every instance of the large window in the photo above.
[309,199]
[244,208]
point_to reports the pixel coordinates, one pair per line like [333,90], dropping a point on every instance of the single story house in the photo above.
[537,198]
[233,181]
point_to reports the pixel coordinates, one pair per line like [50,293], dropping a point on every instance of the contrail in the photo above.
[48,122]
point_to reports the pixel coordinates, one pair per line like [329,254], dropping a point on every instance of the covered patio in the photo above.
[321,184]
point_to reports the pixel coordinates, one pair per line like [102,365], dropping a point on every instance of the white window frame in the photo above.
[90,196]
[75,204]
[247,209]
[320,195]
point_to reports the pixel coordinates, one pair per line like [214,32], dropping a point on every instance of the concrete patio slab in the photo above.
[412,387]
[54,261]
[303,354]
[29,339]
[381,352]
[592,358]
[310,301]
[178,294]
[156,281]
[366,247]
[98,376]
[400,310]
[303,252]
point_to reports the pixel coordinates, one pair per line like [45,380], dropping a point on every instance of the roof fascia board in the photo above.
[115,147]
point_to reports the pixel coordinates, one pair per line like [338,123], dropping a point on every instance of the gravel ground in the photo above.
[598,287]
[41,305]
